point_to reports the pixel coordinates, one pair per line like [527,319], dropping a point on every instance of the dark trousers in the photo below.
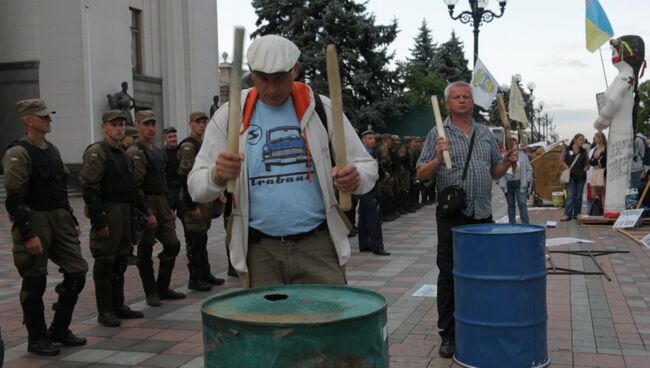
[351,214]
[445,261]
[370,237]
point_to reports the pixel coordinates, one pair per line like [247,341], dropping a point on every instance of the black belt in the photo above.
[255,235]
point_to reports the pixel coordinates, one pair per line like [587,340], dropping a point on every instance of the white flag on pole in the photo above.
[484,86]
[517,112]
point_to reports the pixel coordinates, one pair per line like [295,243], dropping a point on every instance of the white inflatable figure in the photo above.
[618,114]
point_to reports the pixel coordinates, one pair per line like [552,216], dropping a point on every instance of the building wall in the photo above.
[17,81]
[82,52]
[189,58]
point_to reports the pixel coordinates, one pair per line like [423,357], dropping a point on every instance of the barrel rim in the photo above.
[383,307]
[465,229]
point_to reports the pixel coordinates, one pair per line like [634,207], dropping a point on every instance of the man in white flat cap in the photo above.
[286,226]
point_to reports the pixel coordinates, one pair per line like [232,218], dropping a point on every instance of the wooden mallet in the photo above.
[338,136]
[234,104]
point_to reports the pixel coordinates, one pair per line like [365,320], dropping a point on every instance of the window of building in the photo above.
[136,40]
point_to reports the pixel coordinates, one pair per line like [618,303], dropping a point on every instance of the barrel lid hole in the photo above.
[275,297]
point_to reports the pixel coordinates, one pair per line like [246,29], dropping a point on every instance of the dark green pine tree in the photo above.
[370,88]
[418,75]
[423,54]
[451,64]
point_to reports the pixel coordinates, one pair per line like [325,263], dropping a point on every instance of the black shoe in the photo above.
[153,300]
[365,250]
[66,337]
[447,347]
[108,319]
[170,294]
[381,253]
[210,279]
[199,285]
[43,347]
[124,312]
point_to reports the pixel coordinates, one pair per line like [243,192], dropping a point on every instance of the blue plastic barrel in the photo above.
[500,296]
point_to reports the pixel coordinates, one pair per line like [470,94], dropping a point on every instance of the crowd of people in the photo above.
[587,164]
[284,224]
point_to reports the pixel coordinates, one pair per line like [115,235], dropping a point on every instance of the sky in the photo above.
[542,40]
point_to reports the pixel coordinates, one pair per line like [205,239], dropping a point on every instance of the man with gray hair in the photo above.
[286,226]
[488,164]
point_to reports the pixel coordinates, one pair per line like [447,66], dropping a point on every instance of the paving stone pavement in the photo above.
[592,322]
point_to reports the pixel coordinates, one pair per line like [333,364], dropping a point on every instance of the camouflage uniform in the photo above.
[150,180]
[196,231]
[109,192]
[386,183]
[37,202]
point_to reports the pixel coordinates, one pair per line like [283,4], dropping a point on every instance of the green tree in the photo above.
[643,118]
[418,75]
[370,88]
[451,64]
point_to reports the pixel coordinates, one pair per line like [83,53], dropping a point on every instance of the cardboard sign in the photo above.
[628,219]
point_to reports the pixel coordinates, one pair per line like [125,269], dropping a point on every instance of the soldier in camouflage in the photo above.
[150,180]
[44,228]
[110,195]
[196,217]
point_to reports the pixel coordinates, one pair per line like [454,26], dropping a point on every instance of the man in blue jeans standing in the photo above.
[370,236]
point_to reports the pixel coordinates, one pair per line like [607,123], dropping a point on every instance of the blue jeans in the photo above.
[514,194]
[574,201]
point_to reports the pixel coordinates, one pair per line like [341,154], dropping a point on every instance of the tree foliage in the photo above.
[418,75]
[370,88]
[451,64]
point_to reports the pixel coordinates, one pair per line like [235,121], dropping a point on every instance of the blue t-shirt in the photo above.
[282,199]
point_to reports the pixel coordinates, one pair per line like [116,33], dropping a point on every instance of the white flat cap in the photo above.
[272,54]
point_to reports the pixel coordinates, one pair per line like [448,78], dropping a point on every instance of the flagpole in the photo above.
[602,62]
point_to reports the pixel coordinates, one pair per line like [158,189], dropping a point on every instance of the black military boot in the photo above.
[145,269]
[164,278]
[102,274]
[31,301]
[195,264]
[121,310]
[68,291]
[205,261]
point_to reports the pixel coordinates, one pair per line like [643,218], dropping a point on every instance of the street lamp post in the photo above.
[540,128]
[531,87]
[475,16]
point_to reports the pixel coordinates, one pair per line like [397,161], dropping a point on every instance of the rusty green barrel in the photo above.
[298,326]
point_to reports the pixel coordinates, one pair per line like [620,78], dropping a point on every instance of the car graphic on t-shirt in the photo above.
[284,146]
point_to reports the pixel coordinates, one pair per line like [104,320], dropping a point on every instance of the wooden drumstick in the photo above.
[441,130]
[338,136]
[234,104]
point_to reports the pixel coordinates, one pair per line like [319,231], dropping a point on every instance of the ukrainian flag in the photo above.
[599,30]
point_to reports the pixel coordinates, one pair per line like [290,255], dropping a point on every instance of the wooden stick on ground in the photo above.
[338,135]
[234,105]
[441,129]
